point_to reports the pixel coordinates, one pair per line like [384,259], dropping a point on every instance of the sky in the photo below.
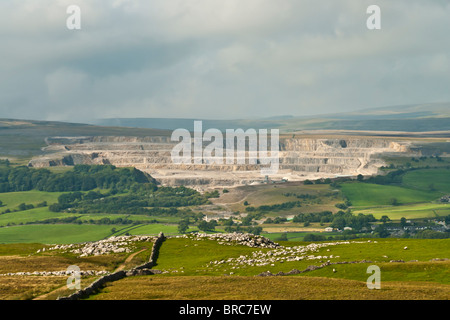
[219,59]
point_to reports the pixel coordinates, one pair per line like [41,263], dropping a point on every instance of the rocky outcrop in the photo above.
[110,245]
[245,239]
[300,158]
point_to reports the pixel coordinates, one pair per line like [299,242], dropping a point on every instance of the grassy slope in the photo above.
[367,194]
[422,210]
[437,179]
[36,214]
[193,256]
[54,233]
[410,280]
[12,199]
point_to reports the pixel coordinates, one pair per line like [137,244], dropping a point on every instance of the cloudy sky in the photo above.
[219,59]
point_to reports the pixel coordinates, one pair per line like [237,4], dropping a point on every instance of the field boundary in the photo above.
[139,270]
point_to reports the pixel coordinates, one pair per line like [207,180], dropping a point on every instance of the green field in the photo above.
[75,233]
[429,179]
[192,257]
[11,200]
[156,228]
[54,233]
[32,215]
[367,194]
[188,273]
[296,236]
[85,217]
[427,210]
[189,276]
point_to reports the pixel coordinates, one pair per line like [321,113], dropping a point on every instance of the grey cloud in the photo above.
[219,59]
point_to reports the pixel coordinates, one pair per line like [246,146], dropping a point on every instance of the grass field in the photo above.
[11,200]
[198,253]
[265,288]
[188,278]
[427,179]
[427,210]
[367,194]
[274,194]
[32,215]
[296,236]
[54,233]
[76,233]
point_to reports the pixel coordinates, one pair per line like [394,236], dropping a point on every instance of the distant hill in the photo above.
[25,138]
[409,118]
[172,124]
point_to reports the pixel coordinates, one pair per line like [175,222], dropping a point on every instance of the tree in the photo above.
[381,231]
[283,237]
[385,219]
[183,227]
[313,237]
[341,206]
[207,226]
[360,177]
[403,222]
[246,221]
[394,201]
[338,222]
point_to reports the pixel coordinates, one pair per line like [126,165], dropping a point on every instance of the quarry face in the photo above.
[300,158]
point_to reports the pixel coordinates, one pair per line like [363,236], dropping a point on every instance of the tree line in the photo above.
[81,178]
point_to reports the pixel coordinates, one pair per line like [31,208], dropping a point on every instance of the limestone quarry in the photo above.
[300,158]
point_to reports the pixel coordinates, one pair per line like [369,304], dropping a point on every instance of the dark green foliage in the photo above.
[314,237]
[394,177]
[81,178]
[213,194]
[277,220]
[246,221]
[431,234]
[341,206]
[324,216]
[207,226]
[239,228]
[183,226]
[346,219]
[283,237]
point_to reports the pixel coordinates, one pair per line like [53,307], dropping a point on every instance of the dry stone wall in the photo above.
[140,270]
